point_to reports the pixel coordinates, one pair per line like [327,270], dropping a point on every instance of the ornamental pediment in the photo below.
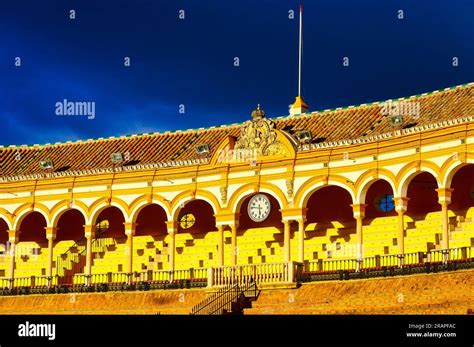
[259,138]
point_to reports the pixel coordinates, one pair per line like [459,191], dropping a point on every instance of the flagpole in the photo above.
[301,37]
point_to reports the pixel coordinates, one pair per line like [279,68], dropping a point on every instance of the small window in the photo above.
[385,203]
[187,221]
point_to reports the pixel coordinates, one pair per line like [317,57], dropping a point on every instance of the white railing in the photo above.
[258,273]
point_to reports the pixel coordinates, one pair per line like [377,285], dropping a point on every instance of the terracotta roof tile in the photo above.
[326,126]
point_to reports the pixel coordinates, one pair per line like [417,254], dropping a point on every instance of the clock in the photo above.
[259,208]
[187,221]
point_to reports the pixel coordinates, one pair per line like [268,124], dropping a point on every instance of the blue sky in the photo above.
[190,61]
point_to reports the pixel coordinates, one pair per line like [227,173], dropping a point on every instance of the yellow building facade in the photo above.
[392,178]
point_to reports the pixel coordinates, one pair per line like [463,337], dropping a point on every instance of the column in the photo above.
[286,238]
[89,233]
[235,251]
[130,232]
[359,215]
[230,219]
[13,239]
[301,223]
[172,227]
[401,205]
[220,245]
[444,199]
[51,236]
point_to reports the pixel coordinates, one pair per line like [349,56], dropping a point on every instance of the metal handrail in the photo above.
[225,297]
[392,260]
[213,298]
[435,260]
[60,261]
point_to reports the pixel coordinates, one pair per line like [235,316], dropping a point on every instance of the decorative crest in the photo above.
[258,136]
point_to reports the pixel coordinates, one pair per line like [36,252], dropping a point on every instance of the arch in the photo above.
[309,187]
[70,224]
[421,191]
[365,181]
[450,168]
[205,220]
[329,204]
[379,200]
[116,220]
[274,218]
[151,220]
[141,202]
[101,204]
[30,227]
[182,198]
[7,217]
[3,233]
[238,197]
[22,211]
[60,208]
[462,196]
[406,174]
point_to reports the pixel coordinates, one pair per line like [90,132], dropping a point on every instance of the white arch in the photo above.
[318,185]
[251,191]
[134,213]
[186,199]
[452,169]
[7,221]
[365,186]
[24,213]
[407,178]
[102,206]
[55,218]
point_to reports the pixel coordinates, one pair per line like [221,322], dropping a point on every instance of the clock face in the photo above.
[259,208]
[187,221]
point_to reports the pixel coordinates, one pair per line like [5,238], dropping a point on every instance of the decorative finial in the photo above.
[258,113]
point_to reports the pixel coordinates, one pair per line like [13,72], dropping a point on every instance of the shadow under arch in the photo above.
[70,225]
[462,196]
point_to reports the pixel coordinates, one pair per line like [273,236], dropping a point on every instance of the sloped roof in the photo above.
[178,148]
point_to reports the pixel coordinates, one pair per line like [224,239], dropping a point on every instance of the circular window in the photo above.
[385,203]
[102,226]
[187,221]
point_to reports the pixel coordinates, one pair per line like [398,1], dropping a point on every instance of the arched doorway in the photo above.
[4,248]
[330,228]
[423,217]
[259,241]
[151,241]
[380,226]
[70,226]
[462,197]
[461,208]
[196,239]
[31,251]
[69,253]
[108,247]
